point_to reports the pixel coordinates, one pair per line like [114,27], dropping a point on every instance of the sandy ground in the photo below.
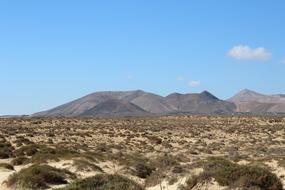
[165,186]
[279,171]
[4,175]
[124,141]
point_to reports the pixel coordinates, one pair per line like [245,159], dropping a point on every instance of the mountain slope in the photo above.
[147,101]
[203,102]
[79,106]
[152,103]
[140,103]
[114,107]
[252,96]
[250,101]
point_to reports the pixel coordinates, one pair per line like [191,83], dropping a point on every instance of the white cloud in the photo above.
[194,83]
[243,52]
[179,78]
[283,61]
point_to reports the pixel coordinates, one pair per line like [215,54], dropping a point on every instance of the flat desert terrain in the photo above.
[154,153]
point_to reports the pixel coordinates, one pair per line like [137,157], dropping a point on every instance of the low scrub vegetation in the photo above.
[19,161]
[38,177]
[163,166]
[153,151]
[6,166]
[84,165]
[104,182]
[235,176]
[6,150]
[143,170]
[42,154]
[28,150]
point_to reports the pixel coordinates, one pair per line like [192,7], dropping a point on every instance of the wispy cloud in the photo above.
[180,78]
[130,77]
[283,61]
[194,83]
[244,52]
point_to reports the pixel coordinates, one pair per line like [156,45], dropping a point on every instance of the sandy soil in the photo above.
[116,146]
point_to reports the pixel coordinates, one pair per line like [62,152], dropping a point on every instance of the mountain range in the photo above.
[141,103]
[253,102]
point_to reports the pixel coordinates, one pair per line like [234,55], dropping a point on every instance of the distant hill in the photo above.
[148,102]
[114,107]
[203,102]
[13,116]
[253,102]
[139,103]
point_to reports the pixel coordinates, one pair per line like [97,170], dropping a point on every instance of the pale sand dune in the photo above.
[165,186]
[279,171]
[4,174]
[211,185]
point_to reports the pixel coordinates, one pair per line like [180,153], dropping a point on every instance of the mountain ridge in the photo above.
[254,102]
[142,103]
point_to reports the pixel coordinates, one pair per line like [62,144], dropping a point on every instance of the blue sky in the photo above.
[54,51]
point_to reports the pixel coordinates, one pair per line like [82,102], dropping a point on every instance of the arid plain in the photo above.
[152,153]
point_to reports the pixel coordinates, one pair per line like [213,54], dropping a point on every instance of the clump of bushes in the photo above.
[104,182]
[162,166]
[40,158]
[84,165]
[6,166]
[155,140]
[19,161]
[143,170]
[233,175]
[42,154]
[22,141]
[28,150]
[38,177]
[6,150]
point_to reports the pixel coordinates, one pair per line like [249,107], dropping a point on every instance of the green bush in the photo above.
[233,175]
[162,166]
[42,154]
[38,177]
[6,150]
[84,165]
[40,158]
[104,182]
[19,161]
[143,171]
[28,150]
[6,166]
